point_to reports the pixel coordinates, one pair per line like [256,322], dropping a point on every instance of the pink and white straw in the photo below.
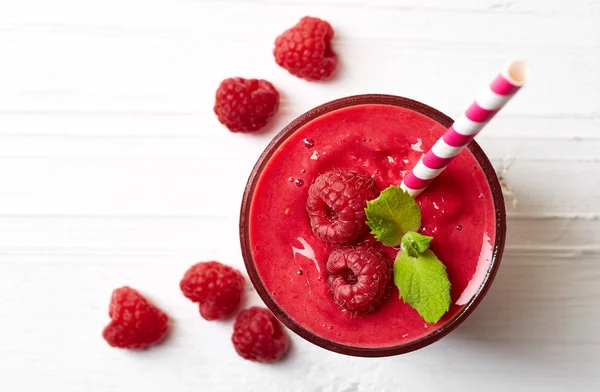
[462,132]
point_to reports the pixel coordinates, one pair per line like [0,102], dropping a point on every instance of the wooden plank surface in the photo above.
[108,150]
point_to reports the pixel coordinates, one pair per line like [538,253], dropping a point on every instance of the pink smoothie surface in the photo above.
[384,142]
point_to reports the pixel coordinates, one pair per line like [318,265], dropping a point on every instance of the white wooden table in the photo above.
[114,171]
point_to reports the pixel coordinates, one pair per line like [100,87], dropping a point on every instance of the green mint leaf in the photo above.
[423,281]
[414,243]
[393,214]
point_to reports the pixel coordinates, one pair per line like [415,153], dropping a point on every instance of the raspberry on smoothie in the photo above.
[359,277]
[336,205]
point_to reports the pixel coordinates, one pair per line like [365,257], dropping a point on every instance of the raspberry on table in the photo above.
[359,277]
[135,323]
[258,336]
[216,287]
[246,105]
[305,49]
[336,205]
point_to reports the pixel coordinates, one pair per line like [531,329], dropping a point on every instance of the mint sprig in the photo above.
[393,214]
[421,278]
[394,217]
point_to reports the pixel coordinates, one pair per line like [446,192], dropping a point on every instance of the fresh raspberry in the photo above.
[305,49]
[215,286]
[359,277]
[336,205]
[258,336]
[245,105]
[135,323]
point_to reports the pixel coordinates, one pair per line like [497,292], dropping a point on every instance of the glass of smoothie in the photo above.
[381,137]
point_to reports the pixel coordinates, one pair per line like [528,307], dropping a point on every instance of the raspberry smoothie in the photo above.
[380,137]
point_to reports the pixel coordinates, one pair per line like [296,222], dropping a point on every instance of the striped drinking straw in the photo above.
[460,134]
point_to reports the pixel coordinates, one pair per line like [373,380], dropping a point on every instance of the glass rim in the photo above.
[445,329]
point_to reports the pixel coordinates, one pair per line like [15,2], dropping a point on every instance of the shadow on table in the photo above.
[526,319]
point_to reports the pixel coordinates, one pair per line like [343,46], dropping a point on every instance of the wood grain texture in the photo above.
[108,150]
